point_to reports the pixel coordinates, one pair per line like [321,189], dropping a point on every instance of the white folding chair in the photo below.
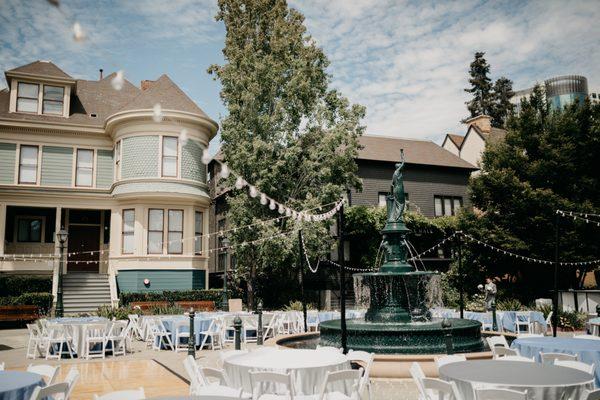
[367,363]
[214,333]
[250,330]
[224,355]
[94,341]
[193,372]
[496,340]
[330,348]
[517,358]
[454,358]
[210,396]
[117,336]
[182,331]
[35,344]
[49,372]
[591,395]
[160,335]
[549,358]
[123,395]
[499,394]
[272,326]
[313,323]
[352,376]
[591,337]
[417,375]
[522,320]
[57,336]
[259,380]
[136,327]
[499,352]
[442,389]
[71,379]
[48,392]
[589,368]
[549,322]
[529,335]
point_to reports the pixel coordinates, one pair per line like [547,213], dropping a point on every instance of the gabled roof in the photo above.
[166,93]
[496,134]
[456,139]
[41,68]
[422,152]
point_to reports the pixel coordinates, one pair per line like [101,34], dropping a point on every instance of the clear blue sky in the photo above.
[405,60]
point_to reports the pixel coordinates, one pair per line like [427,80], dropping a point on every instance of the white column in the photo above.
[2,226]
[56,229]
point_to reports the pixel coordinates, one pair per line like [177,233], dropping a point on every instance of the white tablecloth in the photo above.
[308,367]
[77,327]
[542,382]
[17,385]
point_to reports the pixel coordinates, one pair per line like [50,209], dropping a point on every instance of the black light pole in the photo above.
[62,236]
[192,338]
[556,256]
[342,279]
[461,301]
[225,300]
[301,277]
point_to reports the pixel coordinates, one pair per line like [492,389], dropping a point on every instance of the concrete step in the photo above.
[85,292]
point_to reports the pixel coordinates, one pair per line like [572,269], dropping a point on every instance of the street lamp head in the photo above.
[62,236]
[225,242]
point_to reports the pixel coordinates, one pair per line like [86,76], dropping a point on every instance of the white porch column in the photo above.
[2,226]
[57,262]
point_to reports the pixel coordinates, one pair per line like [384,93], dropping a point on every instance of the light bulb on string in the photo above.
[239,183]
[272,204]
[253,191]
[263,199]
[206,158]
[225,171]
[280,209]
[183,136]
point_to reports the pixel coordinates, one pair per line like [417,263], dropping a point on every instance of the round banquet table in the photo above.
[17,385]
[541,381]
[308,367]
[588,350]
[78,326]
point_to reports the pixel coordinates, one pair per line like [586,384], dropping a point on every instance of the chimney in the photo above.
[146,84]
[482,122]
[101,73]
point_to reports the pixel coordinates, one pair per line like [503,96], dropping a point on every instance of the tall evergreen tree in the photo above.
[287,132]
[481,86]
[502,107]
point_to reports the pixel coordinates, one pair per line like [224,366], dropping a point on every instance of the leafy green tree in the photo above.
[548,161]
[502,107]
[287,132]
[481,86]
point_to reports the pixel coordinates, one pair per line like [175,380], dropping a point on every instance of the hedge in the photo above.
[15,285]
[42,300]
[171,296]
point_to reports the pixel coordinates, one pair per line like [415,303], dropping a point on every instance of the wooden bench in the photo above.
[199,305]
[147,306]
[19,313]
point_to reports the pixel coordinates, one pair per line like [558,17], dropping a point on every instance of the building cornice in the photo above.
[44,126]
[40,78]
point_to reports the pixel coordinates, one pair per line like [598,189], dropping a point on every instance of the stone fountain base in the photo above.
[404,338]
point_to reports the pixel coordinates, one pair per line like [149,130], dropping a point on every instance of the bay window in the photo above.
[175,232]
[169,156]
[198,221]
[84,168]
[28,163]
[128,231]
[155,231]
[28,97]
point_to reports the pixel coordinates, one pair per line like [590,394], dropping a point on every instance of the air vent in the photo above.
[93,115]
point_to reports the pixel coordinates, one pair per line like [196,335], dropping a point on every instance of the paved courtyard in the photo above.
[161,373]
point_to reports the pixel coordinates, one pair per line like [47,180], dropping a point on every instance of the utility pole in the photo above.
[342,279]
[301,277]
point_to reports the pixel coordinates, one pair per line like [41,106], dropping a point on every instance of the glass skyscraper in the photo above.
[560,91]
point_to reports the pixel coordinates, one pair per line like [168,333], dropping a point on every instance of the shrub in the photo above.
[572,320]
[121,313]
[297,306]
[171,296]
[476,303]
[15,285]
[545,309]
[510,305]
[42,300]
[169,310]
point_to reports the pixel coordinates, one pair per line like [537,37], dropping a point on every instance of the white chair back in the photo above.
[71,379]
[123,395]
[348,375]
[417,374]
[454,358]
[517,358]
[217,374]
[444,390]
[589,368]
[591,395]
[499,352]
[50,391]
[196,380]
[591,337]
[551,357]
[496,340]
[499,394]
[260,379]
[49,372]
[212,396]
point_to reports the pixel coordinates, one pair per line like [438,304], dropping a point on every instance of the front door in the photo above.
[83,239]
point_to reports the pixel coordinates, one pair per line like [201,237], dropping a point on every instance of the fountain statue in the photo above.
[398,319]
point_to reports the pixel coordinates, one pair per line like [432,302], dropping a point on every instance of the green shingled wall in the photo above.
[8,152]
[191,162]
[139,157]
[104,173]
[133,280]
[57,165]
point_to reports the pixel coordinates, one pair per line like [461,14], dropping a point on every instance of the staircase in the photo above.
[85,292]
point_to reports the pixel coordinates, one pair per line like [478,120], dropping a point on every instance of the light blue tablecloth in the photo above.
[201,323]
[509,318]
[77,320]
[506,319]
[323,316]
[17,385]
[587,350]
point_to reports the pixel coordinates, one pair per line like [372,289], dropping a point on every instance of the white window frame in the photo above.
[162,157]
[29,218]
[19,164]
[169,231]
[443,199]
[127,233]
[77,167]
[198,235]
[62,102]
[162,231]
[37,111]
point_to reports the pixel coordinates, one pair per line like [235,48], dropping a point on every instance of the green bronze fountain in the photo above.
[398,319]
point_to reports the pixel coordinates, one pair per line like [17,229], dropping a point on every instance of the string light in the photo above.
[579,216]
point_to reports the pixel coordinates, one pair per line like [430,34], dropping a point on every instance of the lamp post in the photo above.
[62,236]
[192,338]
[259,329]
[225,302]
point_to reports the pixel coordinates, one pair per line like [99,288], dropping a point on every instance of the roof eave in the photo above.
[469,167]
[44,78]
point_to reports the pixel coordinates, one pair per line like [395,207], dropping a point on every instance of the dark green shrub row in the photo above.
[172,296]
[42,300]
[15,285]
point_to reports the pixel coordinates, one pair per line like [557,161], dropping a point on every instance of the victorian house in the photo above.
[115,165]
